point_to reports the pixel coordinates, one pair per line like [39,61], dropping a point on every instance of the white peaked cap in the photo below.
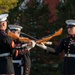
[16,27]
[70,22]
[3,17]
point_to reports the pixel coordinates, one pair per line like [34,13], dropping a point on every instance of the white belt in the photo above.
[69,55]
[4,54]
[17,61]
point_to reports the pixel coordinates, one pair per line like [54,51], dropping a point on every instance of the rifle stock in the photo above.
[22,39]
[43,40]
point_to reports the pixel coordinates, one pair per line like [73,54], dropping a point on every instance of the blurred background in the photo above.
[41,18]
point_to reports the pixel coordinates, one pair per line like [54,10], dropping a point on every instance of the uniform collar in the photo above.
[72,36]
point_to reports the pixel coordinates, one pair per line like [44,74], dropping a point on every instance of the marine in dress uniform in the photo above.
[24,53]
[68,45]
[6,48]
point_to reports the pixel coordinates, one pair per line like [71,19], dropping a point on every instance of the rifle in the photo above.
[29,36]
[21,39]
[33,38]
[43,40]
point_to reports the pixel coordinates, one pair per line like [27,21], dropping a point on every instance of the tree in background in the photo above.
[6,5]
[66,10]
[34,18]
[14,13]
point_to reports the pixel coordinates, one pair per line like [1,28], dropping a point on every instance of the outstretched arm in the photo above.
[46,48]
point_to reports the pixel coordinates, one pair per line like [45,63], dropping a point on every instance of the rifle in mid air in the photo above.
[43,40]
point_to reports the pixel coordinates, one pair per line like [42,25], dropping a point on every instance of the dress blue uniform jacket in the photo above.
[68,45]
[6,43]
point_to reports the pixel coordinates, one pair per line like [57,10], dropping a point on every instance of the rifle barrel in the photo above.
[31,37]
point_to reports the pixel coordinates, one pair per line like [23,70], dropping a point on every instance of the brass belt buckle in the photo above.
[68,55]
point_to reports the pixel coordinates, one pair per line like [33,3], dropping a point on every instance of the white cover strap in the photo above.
[69,55]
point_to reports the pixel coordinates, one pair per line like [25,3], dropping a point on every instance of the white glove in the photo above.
[23,45]
[32,45]
[48,43]
[42,46]
[46,47]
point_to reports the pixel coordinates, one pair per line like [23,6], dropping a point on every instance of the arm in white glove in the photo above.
[31,45]
[46,47]
[49,43]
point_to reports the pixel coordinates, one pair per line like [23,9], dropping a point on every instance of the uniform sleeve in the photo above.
[10,44]
[59,48]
